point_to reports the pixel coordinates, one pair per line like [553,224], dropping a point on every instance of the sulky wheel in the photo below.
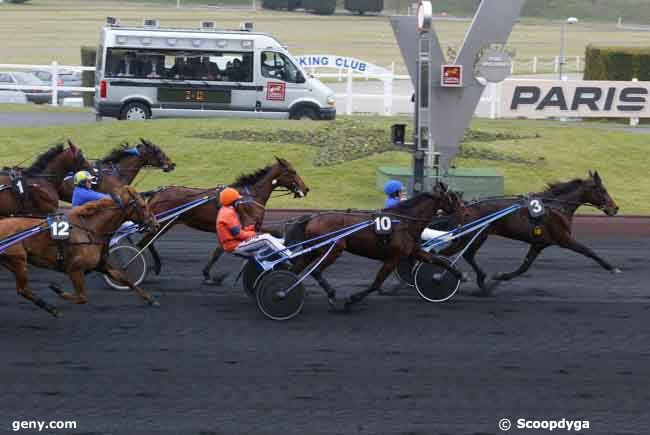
[251,276]
[434,283]
[274,300]
[404,270]
[120,255]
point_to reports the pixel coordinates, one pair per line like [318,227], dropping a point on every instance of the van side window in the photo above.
[179,65]
[279,67]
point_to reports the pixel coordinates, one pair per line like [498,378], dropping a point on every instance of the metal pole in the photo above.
[562,50]
[178,4]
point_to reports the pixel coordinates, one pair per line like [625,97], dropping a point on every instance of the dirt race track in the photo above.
[568,340]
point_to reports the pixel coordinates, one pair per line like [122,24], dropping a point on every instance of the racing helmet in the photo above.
[392,187]
[229,196]
[82,176]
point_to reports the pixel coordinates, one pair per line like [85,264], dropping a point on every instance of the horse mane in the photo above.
[252,178]
[410,203]
[93,207]
[561,188]
[117,154]
[42,160]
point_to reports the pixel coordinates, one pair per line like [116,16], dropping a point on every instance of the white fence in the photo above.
[54,86]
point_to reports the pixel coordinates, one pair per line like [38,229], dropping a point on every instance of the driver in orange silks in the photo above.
[237,239]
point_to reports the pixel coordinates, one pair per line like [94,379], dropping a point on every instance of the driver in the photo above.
[83,191]
[237,239]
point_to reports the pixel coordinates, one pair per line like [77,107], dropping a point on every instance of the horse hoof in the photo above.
[392,292]
[337,305]
[56,313]
[154,303]
[617,271]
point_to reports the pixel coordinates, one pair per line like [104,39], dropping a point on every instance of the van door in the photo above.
[282,83]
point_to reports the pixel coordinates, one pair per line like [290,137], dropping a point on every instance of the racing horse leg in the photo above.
[568,242]
[305,261]
[386,269]
[121,278]
[533,253]
[207,278]
[18,266]
[79,296]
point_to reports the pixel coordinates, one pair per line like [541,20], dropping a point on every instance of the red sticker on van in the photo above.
[275,91]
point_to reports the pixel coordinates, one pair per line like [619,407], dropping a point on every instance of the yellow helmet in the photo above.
[82,176]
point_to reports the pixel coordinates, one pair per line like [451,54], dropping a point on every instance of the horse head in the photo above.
[596,193]
[288,178]
[153,156]
[135,207]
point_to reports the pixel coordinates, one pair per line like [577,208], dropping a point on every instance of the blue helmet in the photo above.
[392,187]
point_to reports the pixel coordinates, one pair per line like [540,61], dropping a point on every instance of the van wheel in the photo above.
[135,112]
[305,113]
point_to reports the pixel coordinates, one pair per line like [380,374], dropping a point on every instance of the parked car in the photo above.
[26,79]
[66,78]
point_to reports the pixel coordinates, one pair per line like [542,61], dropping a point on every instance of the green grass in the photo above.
[528,153]
[46,30]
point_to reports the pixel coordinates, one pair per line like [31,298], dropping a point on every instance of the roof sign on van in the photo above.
[246,26]
[112,21]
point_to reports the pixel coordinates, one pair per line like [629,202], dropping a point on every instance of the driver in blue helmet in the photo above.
[393,190]
[83,190]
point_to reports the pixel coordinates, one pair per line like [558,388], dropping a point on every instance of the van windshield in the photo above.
[279,67]
[179,65]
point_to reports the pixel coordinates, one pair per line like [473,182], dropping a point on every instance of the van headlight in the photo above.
[331,101]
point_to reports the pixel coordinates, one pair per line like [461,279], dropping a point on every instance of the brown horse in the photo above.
[40,181]
[404,240]
[90,229]
[258,186]
[121,166]
[561,200]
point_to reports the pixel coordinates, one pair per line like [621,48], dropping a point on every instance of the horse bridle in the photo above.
[124,207]
[293,189]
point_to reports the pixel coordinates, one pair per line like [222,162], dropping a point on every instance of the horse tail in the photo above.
[295,231]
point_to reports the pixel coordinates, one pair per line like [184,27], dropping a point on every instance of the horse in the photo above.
[39,182]
[121,166]
[561,199]
[404,240]
[90,229]
[257,186]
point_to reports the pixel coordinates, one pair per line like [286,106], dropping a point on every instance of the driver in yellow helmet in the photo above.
[83,190]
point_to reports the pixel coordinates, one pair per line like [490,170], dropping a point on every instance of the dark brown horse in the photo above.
[121,166]
[258,186]
[40,181]
[404,240]
[561,200]
[90,229]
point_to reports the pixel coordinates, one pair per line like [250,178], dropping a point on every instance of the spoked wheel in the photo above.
[274,300]
[404,271]
[434,283]
[118,257]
